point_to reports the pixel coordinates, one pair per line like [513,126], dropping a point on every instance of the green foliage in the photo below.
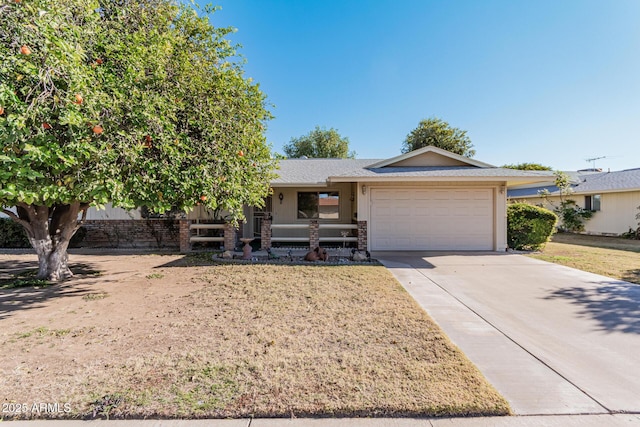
[633,233]
[572,216]
[320,143]
[134,102]
[438,133]
[12,235]
[528,167]
[529,227]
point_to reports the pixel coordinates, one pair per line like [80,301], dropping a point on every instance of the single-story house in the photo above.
[427,199]
[613,196]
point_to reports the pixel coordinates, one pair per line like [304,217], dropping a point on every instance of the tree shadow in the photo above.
[615,305]
[25,296]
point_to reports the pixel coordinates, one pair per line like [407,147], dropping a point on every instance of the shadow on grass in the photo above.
[614,305]
[20,290]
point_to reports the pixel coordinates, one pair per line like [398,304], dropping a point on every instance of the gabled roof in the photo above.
[425,153]
[590,183]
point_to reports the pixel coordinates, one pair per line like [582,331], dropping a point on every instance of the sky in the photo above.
[545,81]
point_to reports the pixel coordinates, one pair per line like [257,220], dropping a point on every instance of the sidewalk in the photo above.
[617,420]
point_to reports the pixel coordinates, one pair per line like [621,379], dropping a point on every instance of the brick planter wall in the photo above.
[151,233]
[230,238]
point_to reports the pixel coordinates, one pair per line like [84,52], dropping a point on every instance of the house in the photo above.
[427,199]
[613,196]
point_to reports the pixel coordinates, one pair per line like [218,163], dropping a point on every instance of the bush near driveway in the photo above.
[529,227]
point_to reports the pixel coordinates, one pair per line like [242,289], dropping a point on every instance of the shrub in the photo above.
[12,234]
[529,227]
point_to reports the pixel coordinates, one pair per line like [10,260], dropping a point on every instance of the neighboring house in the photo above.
[613,196]
[427,199]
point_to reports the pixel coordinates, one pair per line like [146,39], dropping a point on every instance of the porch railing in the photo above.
[198,237]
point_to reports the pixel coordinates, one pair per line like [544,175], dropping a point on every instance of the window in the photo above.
[592,203]
[319,205]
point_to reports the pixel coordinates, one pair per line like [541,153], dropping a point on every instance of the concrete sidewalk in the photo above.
[618,420]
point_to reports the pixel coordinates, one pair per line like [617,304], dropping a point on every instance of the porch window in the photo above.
[592,203]
[321,205]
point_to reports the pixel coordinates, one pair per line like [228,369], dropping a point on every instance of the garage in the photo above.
[432,219]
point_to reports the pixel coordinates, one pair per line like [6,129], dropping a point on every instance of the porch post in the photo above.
[265,233]
[362,235]
[229,237]
[314,234]
[185,236]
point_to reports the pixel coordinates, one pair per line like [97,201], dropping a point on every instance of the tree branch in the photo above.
[17,219]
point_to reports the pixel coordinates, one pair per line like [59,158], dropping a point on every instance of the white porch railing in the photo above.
[337,227]
[289,227]
[320,228]
[199,238]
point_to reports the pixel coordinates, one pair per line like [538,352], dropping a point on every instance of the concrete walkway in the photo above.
[551,339]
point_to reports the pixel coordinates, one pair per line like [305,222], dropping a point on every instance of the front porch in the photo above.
[314,233]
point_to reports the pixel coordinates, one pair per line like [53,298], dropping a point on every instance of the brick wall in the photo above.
[362,235]
[151,233]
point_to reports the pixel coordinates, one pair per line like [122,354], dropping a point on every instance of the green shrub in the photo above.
[529,227]
[12,235]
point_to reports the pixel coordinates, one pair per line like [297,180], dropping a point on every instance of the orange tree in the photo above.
[129,102]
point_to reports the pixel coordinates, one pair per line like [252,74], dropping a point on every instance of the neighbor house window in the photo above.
[319,205]
[592,203]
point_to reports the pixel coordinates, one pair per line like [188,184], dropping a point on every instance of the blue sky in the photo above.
[553,82]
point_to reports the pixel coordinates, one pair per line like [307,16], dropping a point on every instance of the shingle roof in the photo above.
[318,171]
[442,172]
[603,182]
[315,171]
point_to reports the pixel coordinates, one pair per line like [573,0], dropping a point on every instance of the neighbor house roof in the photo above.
[590,183]
[406,167]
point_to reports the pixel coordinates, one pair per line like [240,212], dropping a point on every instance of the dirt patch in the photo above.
[166,336]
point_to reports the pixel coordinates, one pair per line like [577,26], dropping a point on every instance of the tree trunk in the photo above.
[50,230]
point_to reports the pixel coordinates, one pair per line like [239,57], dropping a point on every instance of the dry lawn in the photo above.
[165,336]
[609,256]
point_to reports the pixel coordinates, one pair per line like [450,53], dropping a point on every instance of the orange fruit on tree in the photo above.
[203,198]
[1,111]
[46,125]
[97,129]
[78,99]
[240,153]
[25,50]
[99,61]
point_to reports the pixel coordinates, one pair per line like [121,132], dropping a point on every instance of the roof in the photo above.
[425,164]
[315,172]
[590,183]
[438,173]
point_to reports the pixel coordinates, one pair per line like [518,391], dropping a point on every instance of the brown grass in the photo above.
[236,341]
[609,256]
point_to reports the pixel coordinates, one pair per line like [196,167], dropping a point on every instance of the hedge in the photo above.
[529,227]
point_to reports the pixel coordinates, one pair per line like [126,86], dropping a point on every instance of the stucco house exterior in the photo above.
[428,199]
[613,196]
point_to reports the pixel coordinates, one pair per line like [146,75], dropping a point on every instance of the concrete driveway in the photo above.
[551,339]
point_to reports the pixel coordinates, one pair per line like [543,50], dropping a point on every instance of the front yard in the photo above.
[166,336]
[609,256]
